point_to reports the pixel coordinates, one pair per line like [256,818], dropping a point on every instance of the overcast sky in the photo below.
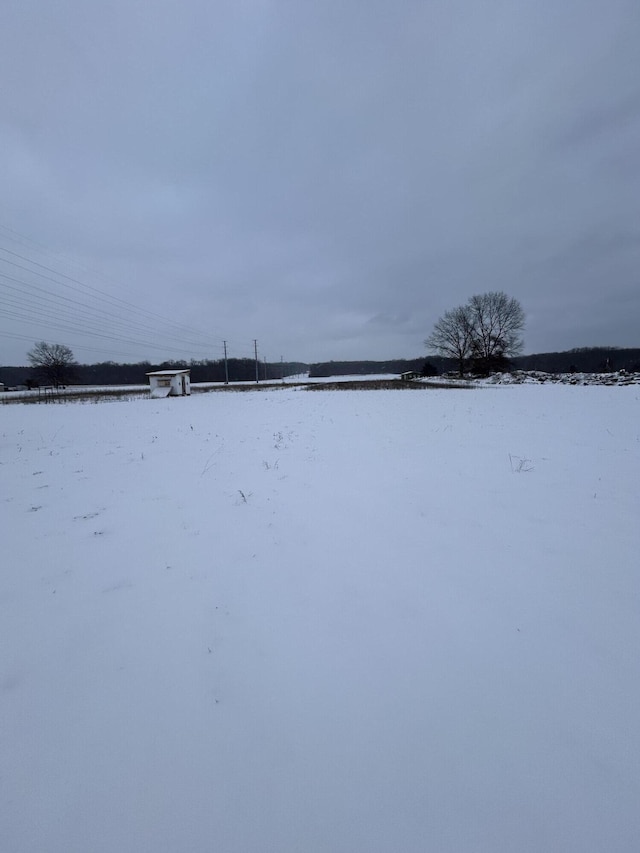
[326,176]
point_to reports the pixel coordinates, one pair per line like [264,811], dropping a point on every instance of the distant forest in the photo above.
[111,373]
[584,360]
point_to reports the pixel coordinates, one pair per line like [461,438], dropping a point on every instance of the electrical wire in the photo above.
[93,292]
[28,303]
[88,315]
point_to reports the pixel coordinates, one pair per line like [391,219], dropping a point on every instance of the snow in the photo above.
[620,377]
[158,393]
[323,622]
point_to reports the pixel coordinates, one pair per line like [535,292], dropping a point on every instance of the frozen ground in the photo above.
[337,622]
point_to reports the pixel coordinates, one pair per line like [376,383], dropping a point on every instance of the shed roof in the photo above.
[167,372]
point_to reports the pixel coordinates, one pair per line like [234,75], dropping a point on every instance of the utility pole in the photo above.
[226,366]
[255,351]
[281,370]
[265,368]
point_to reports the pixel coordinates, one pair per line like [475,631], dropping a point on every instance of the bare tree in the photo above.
[486,330]
[452,336]
[497,322]
[53,362]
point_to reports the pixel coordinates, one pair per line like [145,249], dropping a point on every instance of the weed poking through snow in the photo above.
[520,465]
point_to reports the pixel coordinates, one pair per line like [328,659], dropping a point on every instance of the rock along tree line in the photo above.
[482,334]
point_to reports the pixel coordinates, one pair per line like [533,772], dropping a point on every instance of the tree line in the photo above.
[583,360]
[55,365]
[367,368]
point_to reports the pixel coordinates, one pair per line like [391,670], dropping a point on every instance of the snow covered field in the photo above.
[334,622]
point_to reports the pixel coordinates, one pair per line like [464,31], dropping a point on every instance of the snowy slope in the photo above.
[326,622]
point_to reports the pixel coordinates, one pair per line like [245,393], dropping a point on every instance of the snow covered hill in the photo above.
[341,622]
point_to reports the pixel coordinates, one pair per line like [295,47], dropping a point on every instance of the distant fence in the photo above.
[68,393]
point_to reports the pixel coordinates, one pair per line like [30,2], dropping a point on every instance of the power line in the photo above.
[79,330]
[75,301]
[29,338]
[55,320]
[94,292]
[136,320]
[26,302]
[87,314]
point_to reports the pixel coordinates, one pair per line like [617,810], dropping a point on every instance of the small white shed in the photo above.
[170,383]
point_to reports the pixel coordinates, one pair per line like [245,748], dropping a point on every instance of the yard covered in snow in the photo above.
[332,622]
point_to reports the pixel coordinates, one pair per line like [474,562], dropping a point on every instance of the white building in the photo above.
[170,383]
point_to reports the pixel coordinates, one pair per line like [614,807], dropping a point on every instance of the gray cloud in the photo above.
[326,177]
